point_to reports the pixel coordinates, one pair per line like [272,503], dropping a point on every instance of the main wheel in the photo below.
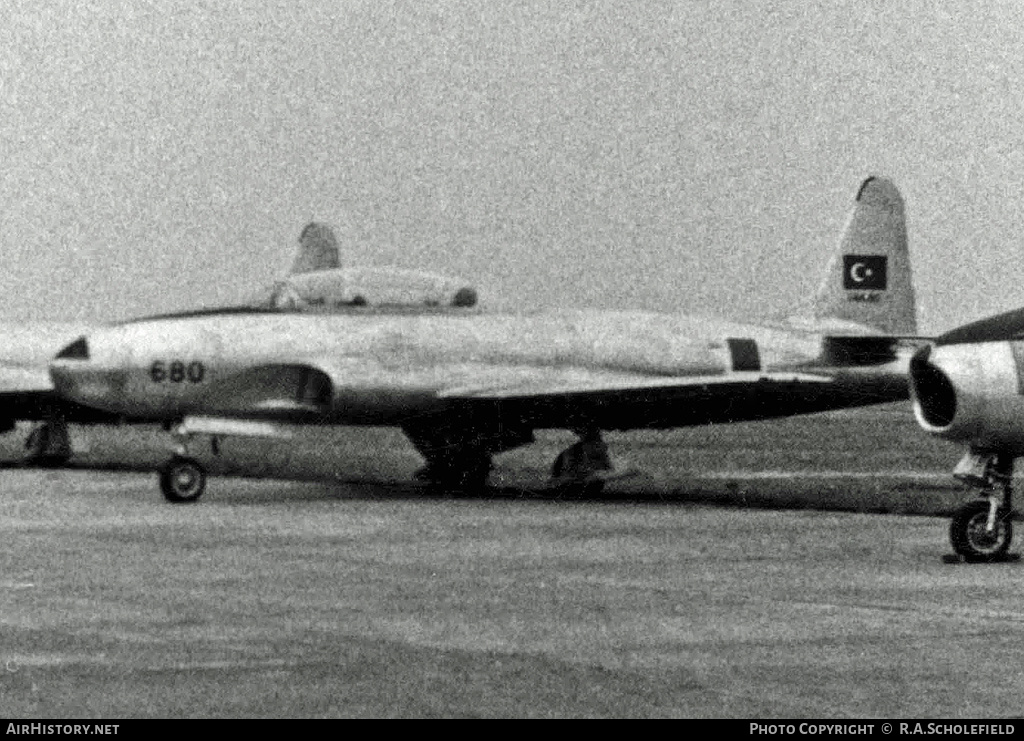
[182,480]
[48,445]
[970,537]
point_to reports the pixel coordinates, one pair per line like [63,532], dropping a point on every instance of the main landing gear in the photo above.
[982,530]
[458,452]
[465,470]
[458,456]
[580,471]
[183,478]
[49,444]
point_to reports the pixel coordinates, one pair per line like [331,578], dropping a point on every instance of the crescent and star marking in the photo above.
[859,272]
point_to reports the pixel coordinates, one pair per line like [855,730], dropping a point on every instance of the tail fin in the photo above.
[868,281]
[318,249]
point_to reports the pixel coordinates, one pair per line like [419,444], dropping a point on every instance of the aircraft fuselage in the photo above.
[376,368]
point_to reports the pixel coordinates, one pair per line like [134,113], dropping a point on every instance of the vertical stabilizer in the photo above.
[318,249]
[868,281]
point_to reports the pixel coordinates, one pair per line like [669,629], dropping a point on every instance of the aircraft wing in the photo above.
[26,389]
[568,383]
[25,353]
[18,379]
[25,393]
[566,397]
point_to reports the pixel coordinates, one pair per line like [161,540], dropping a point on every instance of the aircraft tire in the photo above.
[182,480]
[971,541]
[48,445]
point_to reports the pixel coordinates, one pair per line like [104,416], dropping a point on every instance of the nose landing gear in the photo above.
[982,530]
[183,478]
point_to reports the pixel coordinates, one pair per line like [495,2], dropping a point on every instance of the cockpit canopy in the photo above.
[324,290]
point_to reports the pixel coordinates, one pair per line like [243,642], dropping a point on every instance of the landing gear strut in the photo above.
[458,451]
[982,530]
[581,469]
[49,444]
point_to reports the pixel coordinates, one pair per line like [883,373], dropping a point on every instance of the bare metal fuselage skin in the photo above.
[547,370]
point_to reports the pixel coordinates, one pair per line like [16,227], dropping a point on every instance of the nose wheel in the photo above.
[982,531]
[974,540]
[182,480]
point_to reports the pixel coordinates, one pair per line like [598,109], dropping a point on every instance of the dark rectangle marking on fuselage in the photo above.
[744,354]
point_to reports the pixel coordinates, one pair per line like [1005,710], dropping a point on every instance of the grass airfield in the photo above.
[349,593]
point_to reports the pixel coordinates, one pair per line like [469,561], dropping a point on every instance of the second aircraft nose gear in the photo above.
[982,530]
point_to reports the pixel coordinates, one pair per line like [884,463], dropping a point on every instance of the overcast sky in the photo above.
[678,156]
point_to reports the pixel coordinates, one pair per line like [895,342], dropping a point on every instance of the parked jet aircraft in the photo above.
[316,283]
[969,388]
[465,386]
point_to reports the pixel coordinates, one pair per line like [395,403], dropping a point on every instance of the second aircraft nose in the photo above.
[969,392]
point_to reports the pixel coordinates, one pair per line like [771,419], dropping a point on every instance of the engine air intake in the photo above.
[936,397]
